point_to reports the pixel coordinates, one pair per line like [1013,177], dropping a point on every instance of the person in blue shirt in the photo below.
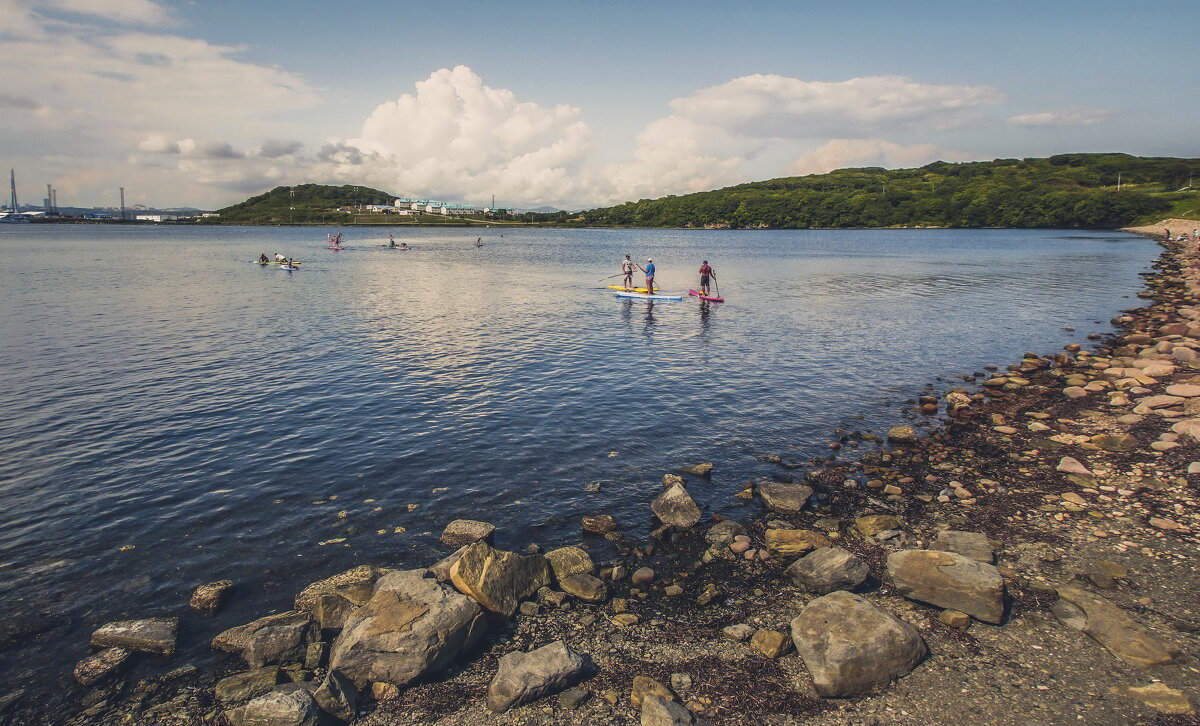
[649,270]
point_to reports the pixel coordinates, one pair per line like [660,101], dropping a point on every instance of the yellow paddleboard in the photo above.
[618,288]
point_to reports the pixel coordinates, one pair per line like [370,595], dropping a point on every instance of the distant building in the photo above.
[156,217]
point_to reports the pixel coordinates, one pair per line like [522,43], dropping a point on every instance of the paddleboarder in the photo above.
[705,273]
[627,271]
[649,270]
[391,241]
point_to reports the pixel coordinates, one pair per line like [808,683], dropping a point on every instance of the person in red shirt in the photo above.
[705,273]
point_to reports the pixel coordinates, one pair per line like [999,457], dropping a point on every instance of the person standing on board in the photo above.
[391,241]
[705,273]
[649,270]
[627,272]
[479,241]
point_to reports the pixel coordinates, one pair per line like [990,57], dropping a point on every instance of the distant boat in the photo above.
[13,215]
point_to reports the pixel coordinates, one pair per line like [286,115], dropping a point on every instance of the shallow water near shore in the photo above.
[174,414]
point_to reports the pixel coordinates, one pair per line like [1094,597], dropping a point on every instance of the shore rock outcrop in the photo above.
[209,598]
[99,666]
[949,580]
[278,708]
[352,582]
[676,507]
[150,635]
[496,579]
[827,570]
[250,684]
[784,498]
[525,677]
[337,696]
[411,627]
[567,561]
[850,646]
[1112,627]
[463,532]
[281,638]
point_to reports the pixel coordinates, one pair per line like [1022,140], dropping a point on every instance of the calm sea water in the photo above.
[173,414]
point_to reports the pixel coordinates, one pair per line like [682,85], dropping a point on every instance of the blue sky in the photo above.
[573,103]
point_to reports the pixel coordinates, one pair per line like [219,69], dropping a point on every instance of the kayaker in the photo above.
[705,273]
[649,270]
[263,259]
[627,270]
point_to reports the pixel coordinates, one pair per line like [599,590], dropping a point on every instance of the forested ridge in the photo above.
[1067,190]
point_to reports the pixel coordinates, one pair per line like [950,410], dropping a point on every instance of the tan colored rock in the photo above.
[567,561]
[770,643]
[949,580]
[496,579]
[698,469]
[1158,696]
[792,542]
[1112,627]
[354,580]
[599,524]
[955,619]
[873,524]
[209,598]
[645,686]
[1186,390]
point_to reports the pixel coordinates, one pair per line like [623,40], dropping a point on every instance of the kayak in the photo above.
[702,296]
[335,247]
[619,288]
[289,267]
[643,296]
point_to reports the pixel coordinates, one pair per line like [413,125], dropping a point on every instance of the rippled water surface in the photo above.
[173,414]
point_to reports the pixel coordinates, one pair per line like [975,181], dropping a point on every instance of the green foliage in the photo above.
[1068,190]
[309,203]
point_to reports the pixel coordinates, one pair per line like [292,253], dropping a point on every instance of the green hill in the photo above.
[1068,190]
[305,203]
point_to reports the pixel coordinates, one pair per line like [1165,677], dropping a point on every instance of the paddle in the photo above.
[717,285]
[619,274]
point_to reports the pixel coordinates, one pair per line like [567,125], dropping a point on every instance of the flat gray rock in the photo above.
[949,580]
[244,686]
[784,498]
[676,508]
[337,696]
[525,677]
[1112,627]
[278,708]
[99,666]
[850,646]
[151,635]
[413,626]
[827,569]
[282,638]
[463,532]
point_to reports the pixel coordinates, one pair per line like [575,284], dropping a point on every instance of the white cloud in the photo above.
[1067,116]
[844,153]
[459,138]
[142,12]
[783,107]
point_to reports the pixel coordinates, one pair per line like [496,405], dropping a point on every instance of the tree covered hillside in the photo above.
[1068,190]
[309,203]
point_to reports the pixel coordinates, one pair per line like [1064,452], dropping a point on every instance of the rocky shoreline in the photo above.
[1033,560]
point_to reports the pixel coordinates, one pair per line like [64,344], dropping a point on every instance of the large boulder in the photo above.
[1112,627]
[496,579]
[784,498]
[828,569]
[151,635]
[676,508]
[281,638]
[411,627]
[250,684]
[278,708]
[567,561]
[353,582]
[851,646]
[968,544]
[661,712]
[525,677]
[463,532]
[949,580]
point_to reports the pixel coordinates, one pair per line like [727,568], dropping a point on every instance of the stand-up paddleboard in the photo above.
[643,296]
[702,296]
[620,288]
[332,247]
[270,262]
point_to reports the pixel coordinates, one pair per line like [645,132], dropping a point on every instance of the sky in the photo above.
[569,104]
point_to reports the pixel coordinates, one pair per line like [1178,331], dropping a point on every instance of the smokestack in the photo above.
[54,200]
[49,196]
[122,203]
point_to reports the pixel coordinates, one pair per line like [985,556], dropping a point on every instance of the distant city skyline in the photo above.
[568,104]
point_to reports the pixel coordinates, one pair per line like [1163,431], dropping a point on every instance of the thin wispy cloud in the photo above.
[1068,116]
